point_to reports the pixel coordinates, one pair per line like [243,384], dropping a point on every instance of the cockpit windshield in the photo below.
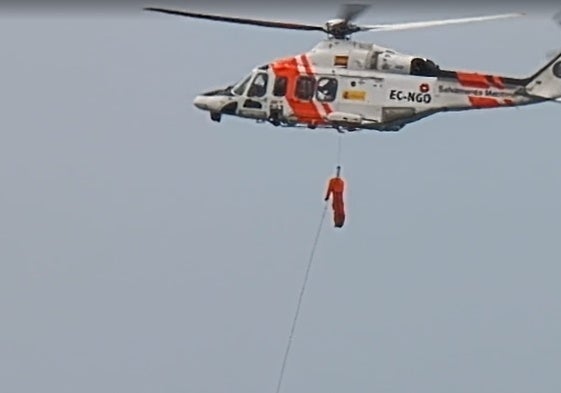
[241,86]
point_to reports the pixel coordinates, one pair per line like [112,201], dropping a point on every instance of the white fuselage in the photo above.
[353,85]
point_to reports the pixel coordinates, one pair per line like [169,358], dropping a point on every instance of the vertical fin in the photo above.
[546,83]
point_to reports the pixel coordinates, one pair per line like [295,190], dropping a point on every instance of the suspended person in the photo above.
[335,189]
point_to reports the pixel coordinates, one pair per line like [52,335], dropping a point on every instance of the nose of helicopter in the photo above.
[212,103]
[200,102]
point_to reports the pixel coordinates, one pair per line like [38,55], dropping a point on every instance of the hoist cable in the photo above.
[339,149]
[299,304]
[306,276]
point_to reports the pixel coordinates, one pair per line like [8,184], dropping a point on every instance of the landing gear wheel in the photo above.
[215,116]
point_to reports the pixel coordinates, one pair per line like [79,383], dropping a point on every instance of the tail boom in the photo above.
[464,90]
[476,91]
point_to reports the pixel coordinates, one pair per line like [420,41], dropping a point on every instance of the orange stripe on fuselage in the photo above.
[483,102]
[306,63]
[305,111]
[308,67]
[326,108]
[472,79]
[498,81]
[508,101]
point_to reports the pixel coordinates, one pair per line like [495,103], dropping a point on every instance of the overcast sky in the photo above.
[145,248]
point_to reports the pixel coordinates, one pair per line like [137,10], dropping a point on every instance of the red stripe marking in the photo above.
[308,67]
[498,81]
[306,64]
[305,111]
[472,79]
[308,70]
[483,102]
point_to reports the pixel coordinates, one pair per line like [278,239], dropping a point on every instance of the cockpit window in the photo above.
[239,89]
[259,86]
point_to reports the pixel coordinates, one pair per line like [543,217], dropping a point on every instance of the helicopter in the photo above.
[350,85]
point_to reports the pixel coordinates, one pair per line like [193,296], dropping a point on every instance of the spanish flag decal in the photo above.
[341,61]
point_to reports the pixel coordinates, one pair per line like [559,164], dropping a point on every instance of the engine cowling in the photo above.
[390,61]
[387,60]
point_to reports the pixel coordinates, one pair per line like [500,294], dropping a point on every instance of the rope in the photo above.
[339,148]
[299,304]
[306,275]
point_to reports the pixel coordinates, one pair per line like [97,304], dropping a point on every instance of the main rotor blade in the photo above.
[351,11]
[244,21]
[432,23]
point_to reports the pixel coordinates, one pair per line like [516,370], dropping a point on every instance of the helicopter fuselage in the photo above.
[350,85]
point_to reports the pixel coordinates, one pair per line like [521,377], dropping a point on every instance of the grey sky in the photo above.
[145,248]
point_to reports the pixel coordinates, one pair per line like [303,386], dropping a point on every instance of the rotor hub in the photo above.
[340,28]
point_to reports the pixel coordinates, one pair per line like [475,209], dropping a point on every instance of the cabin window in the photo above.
[305,87]
[279,88]
[258,87]
[326,89]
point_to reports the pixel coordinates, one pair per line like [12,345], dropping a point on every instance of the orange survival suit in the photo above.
[335,188]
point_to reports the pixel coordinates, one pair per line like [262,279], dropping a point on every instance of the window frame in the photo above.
[240,88]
